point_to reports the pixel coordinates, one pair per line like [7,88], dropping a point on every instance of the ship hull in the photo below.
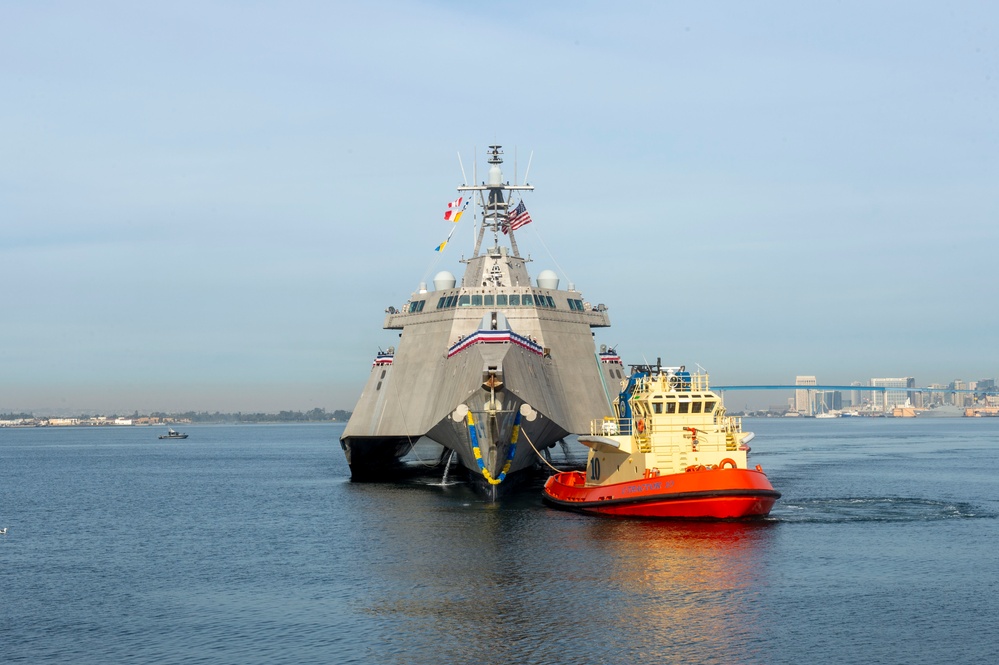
[375,458]
[389,418]
[711,494]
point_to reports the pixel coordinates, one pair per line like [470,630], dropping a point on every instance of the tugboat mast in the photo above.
[494,207]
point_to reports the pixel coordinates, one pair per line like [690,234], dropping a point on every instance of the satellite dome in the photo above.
[443,280]
[547,279]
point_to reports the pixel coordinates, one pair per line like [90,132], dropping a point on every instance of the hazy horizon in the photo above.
[208,206]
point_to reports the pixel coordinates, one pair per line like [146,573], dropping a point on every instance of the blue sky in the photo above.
[209,205]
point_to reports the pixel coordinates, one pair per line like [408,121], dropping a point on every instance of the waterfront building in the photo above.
[803,396]
[831,400]
[889,399]
[960,399]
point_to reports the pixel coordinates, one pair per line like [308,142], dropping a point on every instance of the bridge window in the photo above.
[463,301]
[695,407]
[684,407]
[670,407]
[657,407]
[551,303]
[709,407]
[515,300]
[501,300]
[488,300]
[526,299]
[440,303]
[476,301]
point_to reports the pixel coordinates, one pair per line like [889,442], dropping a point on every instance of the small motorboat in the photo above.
[670,451]
[172,434]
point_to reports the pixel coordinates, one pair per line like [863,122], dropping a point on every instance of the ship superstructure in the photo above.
[481,363]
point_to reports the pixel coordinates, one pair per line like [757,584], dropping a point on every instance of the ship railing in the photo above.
[612,426]
[674,381]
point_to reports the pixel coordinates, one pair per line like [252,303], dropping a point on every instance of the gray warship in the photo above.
[496,369]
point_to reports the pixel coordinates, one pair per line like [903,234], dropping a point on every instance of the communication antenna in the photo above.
[529,160]
[464,180]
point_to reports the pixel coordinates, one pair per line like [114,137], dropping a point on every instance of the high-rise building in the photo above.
[856,398]
[889,399]
[959,399]
[803,397]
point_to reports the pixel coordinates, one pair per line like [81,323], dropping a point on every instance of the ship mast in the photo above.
[494,207]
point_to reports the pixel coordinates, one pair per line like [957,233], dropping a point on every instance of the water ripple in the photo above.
[875,509]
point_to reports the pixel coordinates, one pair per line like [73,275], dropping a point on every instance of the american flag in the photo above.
[517,218]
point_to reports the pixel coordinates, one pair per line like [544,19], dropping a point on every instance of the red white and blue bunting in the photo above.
[495,337]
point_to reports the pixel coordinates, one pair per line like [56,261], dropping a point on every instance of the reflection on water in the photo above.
[688,587]
[522,583]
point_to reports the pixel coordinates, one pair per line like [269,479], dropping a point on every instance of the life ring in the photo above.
[640,425]
[727,460]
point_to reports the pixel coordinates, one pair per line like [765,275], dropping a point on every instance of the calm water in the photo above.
[248,544]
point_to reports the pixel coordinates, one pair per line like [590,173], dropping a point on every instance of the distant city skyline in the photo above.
[208,206]
[803,399]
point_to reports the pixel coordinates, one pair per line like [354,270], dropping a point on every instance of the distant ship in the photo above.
[171,434]
[496,369]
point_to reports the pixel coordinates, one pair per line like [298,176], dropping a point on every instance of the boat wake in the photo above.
[875,509]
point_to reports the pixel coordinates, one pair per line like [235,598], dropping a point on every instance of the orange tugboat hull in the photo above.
[708,494]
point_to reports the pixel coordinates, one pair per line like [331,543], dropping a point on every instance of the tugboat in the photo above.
[480,362]
[171,434]
[669,451]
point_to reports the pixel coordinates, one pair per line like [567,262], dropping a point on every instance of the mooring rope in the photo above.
[528,437]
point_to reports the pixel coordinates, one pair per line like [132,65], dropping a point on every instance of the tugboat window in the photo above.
[657,407]
[684,407]
[709,407]
[670,407]
[695,407]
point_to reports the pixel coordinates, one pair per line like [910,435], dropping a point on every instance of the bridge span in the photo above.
[876,389]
